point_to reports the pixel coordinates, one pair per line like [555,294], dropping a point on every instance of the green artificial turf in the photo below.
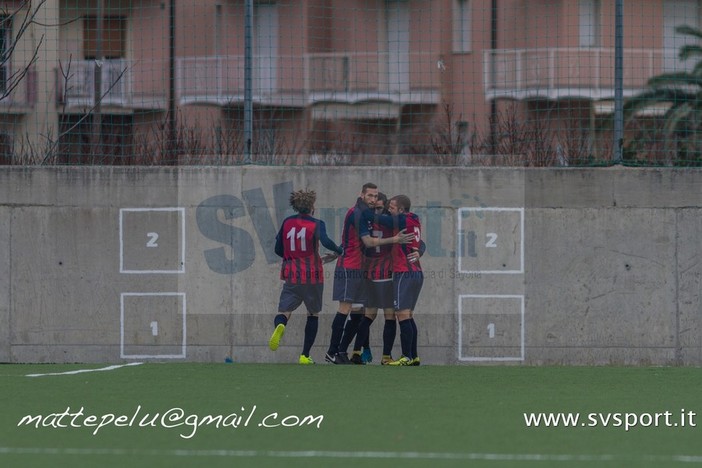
[371,416]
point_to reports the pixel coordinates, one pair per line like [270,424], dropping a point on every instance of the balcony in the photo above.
[20,92]
[558,73]
[125,85]
[354,77]
[219,81]
[331,79]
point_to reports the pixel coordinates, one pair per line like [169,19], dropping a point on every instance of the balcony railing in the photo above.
[566,72]
[306,79]
[18,90]
[124,84]
[410,79]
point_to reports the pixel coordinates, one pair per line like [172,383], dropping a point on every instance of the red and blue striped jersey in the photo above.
[355,223]
[378,260]
[298,243]
[411,224]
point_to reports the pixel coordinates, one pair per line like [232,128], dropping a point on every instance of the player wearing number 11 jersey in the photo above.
[297,243]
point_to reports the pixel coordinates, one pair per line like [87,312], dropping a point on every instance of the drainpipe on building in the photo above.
[493,101]
[97,85]
[248,79]
[618,80]
[172,149]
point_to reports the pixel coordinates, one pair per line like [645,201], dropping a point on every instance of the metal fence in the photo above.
[358,82]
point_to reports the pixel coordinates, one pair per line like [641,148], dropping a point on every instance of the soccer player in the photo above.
[348,275]
[379,290]
[407,279]
[302,270]
[377,264]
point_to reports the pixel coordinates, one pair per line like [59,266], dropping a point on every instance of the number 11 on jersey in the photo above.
[300,235]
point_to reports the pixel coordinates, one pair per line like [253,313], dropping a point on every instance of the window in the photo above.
[6,150]
[112,49]
[114,30]
[5,49]
[266,26]
[397,22]
[461,26]
[77,140]
[589,23]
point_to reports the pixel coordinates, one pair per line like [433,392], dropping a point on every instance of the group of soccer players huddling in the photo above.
[377,268]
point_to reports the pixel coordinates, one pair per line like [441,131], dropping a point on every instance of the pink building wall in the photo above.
[321,40]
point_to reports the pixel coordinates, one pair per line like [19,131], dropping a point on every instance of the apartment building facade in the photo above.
[329,77]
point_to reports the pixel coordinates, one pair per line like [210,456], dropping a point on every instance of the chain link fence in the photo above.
[352,82]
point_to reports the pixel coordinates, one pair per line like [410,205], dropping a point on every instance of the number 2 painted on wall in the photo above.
[153,237]
[492,240]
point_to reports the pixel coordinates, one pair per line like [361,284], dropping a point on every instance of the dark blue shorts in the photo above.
[407,286]
[379,294]
[293,295]
[349,286]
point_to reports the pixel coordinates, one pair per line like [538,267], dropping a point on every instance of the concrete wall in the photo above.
[570,266]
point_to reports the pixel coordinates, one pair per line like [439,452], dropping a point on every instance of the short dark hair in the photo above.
[402,201]
[368,185]
[302,201]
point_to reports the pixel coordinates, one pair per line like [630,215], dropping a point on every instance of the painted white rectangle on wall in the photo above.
[153,325]
[491,327]
[151,240]
[490,240]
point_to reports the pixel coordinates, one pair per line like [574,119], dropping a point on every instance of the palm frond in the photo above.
[677,116]
[689,51]
[681,94]
[689,31]
[675,79]
[659,96]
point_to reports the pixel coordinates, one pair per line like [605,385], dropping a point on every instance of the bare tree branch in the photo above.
[14,80]
[52,144]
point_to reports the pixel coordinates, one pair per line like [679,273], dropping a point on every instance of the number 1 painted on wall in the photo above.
[491,330]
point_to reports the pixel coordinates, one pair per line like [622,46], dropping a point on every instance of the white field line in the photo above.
[81,371]
[496,457]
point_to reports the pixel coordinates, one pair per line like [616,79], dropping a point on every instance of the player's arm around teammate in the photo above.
[377,265]
[348,275]
[379,290]
[407,280]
